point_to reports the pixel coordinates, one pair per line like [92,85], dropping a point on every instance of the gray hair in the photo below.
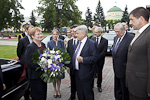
[100,29]
[120,25]
[82,28]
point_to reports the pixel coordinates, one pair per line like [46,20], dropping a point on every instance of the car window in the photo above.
[109,36]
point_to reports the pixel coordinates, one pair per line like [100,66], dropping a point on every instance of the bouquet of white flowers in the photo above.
[52,63]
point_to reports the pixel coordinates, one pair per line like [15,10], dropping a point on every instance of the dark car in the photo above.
[14,77]
[110,37]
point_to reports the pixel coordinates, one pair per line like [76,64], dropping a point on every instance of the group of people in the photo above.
[131,56]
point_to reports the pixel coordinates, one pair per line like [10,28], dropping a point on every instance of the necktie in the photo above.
[117,45]
[135,37]
[97,42]
[74,45]
[75,55]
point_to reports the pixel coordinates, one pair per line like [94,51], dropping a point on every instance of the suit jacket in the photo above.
[51,44]
[70,50]
[22,44]
[89,54]
[32,73]
[101,49]
[120,57]
[138,65]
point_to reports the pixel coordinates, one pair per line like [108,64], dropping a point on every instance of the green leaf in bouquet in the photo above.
[37,68]
[44,75]
[66,62]
[45,79]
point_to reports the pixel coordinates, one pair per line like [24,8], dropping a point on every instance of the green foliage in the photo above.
[32,19]
[99,17]
[125,17]
[88,20]
[10,14]
[52,15]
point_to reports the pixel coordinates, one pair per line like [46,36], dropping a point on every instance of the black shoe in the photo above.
[55,96]
[99,89]
[59,96]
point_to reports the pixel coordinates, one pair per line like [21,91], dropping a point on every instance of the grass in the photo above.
[8,52]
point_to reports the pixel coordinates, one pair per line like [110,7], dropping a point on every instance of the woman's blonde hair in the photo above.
[33,30]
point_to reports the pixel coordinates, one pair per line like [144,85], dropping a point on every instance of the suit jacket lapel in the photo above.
[122,41]
[139,37]
[84,47]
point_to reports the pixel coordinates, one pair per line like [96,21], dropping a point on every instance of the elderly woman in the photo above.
[56,43]
[37,85]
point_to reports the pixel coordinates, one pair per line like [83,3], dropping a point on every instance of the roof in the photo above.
[115,9]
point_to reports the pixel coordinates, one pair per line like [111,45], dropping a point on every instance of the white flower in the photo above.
[57,52]
[52,51]
[57,56]
[43,59]
[49,61]
[61,59]
[44,54]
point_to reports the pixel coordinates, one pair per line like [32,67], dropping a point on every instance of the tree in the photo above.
[51,14]
[32,19]
[99,17]
[10,14]
[88,20]
[125,17]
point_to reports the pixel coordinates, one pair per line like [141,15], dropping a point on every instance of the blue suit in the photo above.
[84,76]
[51,44]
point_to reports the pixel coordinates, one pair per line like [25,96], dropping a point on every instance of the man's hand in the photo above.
[80,59]
[4,86]
[68,70]
[149,94]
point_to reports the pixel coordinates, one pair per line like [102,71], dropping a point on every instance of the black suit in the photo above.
[22,44]
[119,65]
[21,48]
[84,76]
[101,50]
[37,85]
[70,50]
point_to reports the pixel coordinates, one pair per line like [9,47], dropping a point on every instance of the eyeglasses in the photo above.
[68,32]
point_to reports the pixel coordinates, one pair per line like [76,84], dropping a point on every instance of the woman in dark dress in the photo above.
[37,85]
[56,43]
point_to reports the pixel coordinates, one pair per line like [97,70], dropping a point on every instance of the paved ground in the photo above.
[7,42]
[107,84]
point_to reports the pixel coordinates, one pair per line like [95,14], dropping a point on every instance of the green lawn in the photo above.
[8,52]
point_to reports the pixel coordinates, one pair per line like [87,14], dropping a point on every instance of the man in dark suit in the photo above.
[138,61]
[119,54]
[21,48]
[102,45]
[84,56]
[72,44]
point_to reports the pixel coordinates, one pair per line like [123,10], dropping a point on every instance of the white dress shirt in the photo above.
[140,32]
[81,47]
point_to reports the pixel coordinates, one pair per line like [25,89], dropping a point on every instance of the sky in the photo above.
[30,5]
